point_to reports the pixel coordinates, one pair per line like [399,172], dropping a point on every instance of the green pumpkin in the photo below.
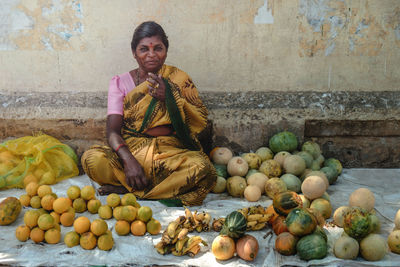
[235,225]
[300,222]
[357,223]
[283,141]
[286,201]
[221,170]
[312,247]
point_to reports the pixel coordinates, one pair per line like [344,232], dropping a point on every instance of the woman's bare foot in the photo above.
[108,189]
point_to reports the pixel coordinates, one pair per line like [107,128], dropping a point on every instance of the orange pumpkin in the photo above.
[247,247]
[271,210]
[286,243]
[279,225]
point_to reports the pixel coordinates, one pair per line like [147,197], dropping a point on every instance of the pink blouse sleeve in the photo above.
[116,96]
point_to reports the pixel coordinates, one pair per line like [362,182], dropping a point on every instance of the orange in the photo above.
[71,239]
[22,233]
[67,219]
[25,200]
[144,213]
[98,227]
[122,227]
[44,190]
[47,202]
[153,227]
[52,236]
[128,199]
[31,189]
[81,225]
[73,192]
[105,242]
[57,227]
[61,205]
[105,212]
[42,211]
[30,178]
[88,192]
[35,202]
[93,205]
[138,228]
[45,221]
[56,217]
[117,213]
[88,240]
[31,217]
[113,200]
[79,205]
[37,235]
[128,213]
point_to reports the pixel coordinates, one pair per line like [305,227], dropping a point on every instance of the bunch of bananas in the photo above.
[197,221]
[175,240]
[256,216]
[217,224]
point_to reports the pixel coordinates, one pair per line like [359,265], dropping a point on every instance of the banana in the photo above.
[189,215]
[183,233]
[256,209]
[199,228]
[259,226]
[193,241]
[193,251]
[171,229]
[207,218]
[265,218]
[180,220]
[217,224]
[180,244]
[254,217]
[163,249]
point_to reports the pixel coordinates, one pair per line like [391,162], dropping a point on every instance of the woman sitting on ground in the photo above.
[154,114]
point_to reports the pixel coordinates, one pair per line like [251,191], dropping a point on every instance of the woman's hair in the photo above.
[148,29]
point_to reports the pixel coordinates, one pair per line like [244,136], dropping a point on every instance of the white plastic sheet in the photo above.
[139,251]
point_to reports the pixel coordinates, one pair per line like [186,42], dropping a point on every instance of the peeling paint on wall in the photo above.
[41,25]
[324,24]
[264,15]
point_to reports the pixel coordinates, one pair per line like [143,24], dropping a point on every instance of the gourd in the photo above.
[9,210]
[300,222]
[285,243]
[283,141]
[235,225]
[286,201]
[357,223]
[312,247]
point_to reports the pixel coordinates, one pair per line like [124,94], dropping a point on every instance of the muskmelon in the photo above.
[253,160]
[271,168]
[281,156]
[363,198]
[294,164]
[265,153]
[236,185]
[313,187]
[312,148]
[222,155]
[237,166]
[292,182]
[259,179]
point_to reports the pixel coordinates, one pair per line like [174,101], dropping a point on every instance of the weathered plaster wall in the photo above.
[261,66]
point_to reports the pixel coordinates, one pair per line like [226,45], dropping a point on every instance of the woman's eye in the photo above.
[158,48]
[143,49]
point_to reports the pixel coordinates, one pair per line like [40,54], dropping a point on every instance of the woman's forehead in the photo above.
[153,40]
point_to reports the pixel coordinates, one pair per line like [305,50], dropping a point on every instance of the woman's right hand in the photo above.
[135,176]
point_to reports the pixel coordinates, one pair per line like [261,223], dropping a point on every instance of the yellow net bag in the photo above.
[41,158]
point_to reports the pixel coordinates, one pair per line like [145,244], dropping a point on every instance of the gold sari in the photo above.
[175,165]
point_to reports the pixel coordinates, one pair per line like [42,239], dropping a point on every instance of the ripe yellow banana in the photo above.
[259,226]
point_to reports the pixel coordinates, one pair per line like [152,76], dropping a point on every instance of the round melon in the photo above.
[222,155]
[252,193]
[274,186]
[294,164]
[334,163]
[220,185]
[308,158]
[281,156]
[394,241]
[330,173]
[363,198]
[346,248]
[283,141]
[250,172]
[312,148]
[265,153]
[338,215]
[313,187]
[271,168]
[373,247]
[292,182]
[252,159]
[237,166]
[323,206]
[259,179]
[236,185]
[320,174]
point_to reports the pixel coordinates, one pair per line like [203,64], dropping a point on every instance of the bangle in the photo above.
[119,146]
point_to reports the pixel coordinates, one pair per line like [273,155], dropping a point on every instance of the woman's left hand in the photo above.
[156,87]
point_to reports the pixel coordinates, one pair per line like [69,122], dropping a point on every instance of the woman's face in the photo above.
[150,54]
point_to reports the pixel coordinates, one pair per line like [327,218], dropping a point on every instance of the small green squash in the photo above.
[357,223]
[286,201]
[235,225]
[283,141]
[300,222]
[312,247]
